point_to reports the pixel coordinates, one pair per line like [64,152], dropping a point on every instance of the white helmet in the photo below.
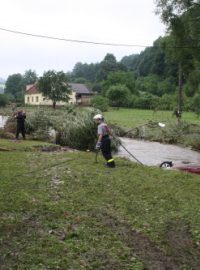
[98,116]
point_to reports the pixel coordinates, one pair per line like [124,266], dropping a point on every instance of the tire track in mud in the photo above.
[181,245]
[148,252]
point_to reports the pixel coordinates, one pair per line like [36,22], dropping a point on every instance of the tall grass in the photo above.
[76,129]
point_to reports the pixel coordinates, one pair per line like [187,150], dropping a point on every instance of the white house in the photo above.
[80,95]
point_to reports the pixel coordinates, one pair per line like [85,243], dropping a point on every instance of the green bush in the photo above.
[100,103]
[118,95]
[195,142]
[146,101]
[167,102]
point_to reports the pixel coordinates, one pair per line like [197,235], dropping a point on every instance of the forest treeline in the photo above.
[149,79]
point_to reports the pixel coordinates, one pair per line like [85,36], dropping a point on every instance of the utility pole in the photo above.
[180,92]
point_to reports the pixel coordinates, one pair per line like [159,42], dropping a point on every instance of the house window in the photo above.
[28,99]
[37,99]
[32,99]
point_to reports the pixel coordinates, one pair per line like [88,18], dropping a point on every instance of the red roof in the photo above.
[31,89]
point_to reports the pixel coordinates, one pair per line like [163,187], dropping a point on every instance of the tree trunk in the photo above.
[54,104]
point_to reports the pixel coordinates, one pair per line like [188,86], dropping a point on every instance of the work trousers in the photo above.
[106,151]
[20,129]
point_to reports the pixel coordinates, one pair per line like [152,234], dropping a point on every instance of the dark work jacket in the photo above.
[20,118]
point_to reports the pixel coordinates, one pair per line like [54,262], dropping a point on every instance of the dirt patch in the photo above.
[47,148]
[2,149]
[53,148]
[181,245]
[148,252]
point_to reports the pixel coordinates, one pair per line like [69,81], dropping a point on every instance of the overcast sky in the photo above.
[110,21]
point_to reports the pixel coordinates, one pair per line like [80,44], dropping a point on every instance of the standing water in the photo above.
[3,120]
[154,153]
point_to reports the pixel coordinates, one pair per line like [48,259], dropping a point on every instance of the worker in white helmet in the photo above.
[104,142]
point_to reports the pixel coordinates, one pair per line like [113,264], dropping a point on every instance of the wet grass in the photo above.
[61,210]
[130,118]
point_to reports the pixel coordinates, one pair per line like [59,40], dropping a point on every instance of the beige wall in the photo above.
[38,99]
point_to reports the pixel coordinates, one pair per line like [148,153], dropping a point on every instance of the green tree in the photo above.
[167,102]
[78,71]
[196,103]
[108,65]
[118,95]
[170,9]
[166,86]
[97,87]
[80,80]
[130,62]
[182,20]
[29,77]
[15,86]
[121,77]
[152,60]
[86,71]
[193,82]
[149,84]
[54,86]
[3,100]
[100,102]
[146,101]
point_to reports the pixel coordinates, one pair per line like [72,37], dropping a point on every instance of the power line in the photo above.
[73,40]
[94,42]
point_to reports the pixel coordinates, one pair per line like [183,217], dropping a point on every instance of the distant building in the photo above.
[80,95]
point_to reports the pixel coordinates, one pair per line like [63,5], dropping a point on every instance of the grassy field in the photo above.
[125,118]
[61,210]
[129,118]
